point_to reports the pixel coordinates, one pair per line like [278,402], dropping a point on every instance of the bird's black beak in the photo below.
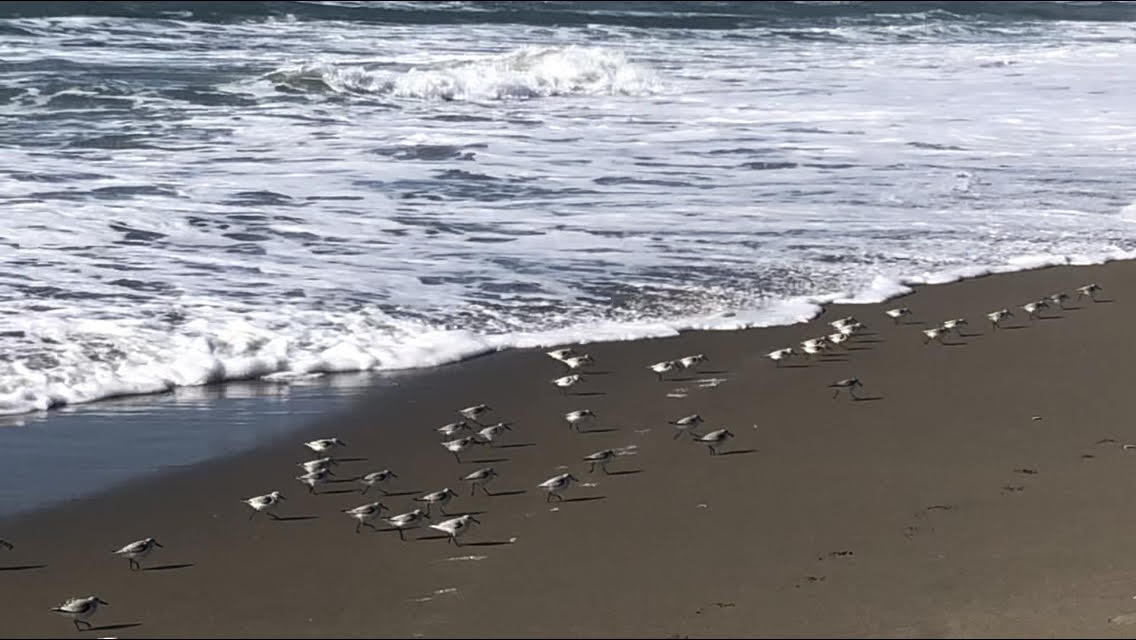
[475,519]
[159,544]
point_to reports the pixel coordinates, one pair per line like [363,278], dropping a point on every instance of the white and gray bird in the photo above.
[578,362]
[448,430]
[687,362]
[319,464]
[265,503]
[479,478]
[951,325]
[896,314]
[996,317]
[314,479]
[377,479]
[1058,299]
[455,527]
[440,498]
[714,439]
[1089,290]
[779,355]
[848,384]
[567,382]
[461,444]
[812,348]
[842,322]
[838,339]
[561,354]
[557,484]
[324,444]
[471,413]
[491,433]
[365,513]
[663,368]
[935,334]
[137,550]
[80,609]
[852,328]
[685,424]
[409,520]
[1033,309]
[601,458]
[575,418]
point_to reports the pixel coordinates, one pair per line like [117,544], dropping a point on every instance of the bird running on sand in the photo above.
[851,384]
[314,479]
[567,382]
[561,354]
[842,322]
[574,418]
[996,317]
[714,439]
[779,355]
[951,325]
[440,498]
[377,479]
[448,430]
[409,520]
[557,484]
[935,334]
[79,609]
[137,550]
[461,444]
[479,478]
[1089,290]
[896,314]
[265,503]
[319,464]
[687,362]
[685,424]
[600,458]
[455,527]
[324,444]
[578,362]
[663,368]
[838,339]
[365,513]
[490,434]
[471,413]
[1033,309]
[1058,299]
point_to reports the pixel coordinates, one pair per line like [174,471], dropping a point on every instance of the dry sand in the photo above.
[980,489]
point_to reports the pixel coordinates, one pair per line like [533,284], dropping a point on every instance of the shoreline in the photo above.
[928,488]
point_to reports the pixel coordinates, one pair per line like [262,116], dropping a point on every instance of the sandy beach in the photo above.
[978,488]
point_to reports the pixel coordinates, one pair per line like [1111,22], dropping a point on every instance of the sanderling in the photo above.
[578,362]
[815,342]
[137,550]
[7,545]
[935,334]
[365,513]
[812,347]
[896,314]
[409,520]
[1088,290]
[479,478]
[492,432]
[685,424]
[1033,309]
[265,503]
[842,322]
[448,430]
[852,328]
[377,479]
[601,458]
[324,444]
[560,354]
[557,484]
[848,383]
[714,439]
[79,609]
[996,317]
[461,444]
[838,338]
[951,325]
[440,498]
[567,381]
[687,362]
[779,355]
[471,413]
[455,527]
[1058,299]
[314,478]
[663,368]
[574,418]
[320,464]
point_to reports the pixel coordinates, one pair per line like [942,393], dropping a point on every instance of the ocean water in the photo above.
[199,192]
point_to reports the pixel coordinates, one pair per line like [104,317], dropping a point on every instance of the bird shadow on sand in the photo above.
[517,445]
[23,567]
[736,452]
[295,518]
[169,567]
[113,627]
[602,430]
[396,494]
[350,459]
[1011,327]
[344,480]
[867,398]
[487,543]
[488,460]
[514,492]
[334,492]
[627,472]
[438,537]
[587,393]
[582,499]
[860,348]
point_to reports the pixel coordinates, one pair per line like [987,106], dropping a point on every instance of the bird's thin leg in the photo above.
[548,498]
[593,469]
[836,394]
[472,490]
[678,435]
[357,525]
[485,490]
[401,536]
[457,457]
[253,515]
[134,566]
[368,524]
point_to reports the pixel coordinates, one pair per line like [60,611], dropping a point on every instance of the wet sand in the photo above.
[979,488]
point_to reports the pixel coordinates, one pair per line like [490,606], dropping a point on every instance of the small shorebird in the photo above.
[951,325]
[779,355]
[1088,290]
[812,347]
[314,478]
[567,382]
[471,413]
[492,432]
[714,439]
[852,328]
[838,339]
[561,354]
[1033,309]
[377,479]
[933,334]
[601,458]
[663,368]
[842,322]
[896,314]
[848,383]
[996,317]
[6,545]
[137,550]
[365,513]
[687,362]
[455,527]
[479,478]
[448,430]
[578,362]
[815,342]
[557,484]
[685,424]
[461,444]
[409,520]
[320,464]
[440,498]
[1058,299]
[265,503]
[79,609]
[574,418]
[324,444]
